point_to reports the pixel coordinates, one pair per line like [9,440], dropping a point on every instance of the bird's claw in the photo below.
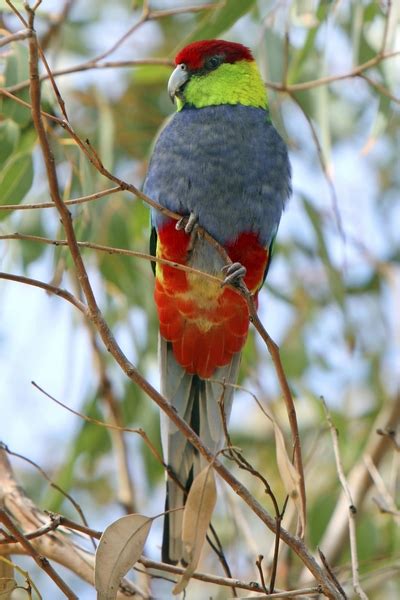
[234,273]
[187,223]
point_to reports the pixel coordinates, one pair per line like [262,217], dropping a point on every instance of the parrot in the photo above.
[220,165]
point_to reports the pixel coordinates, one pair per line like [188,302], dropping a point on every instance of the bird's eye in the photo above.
[213,62]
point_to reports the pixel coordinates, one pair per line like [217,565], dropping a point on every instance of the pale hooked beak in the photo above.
[178,78]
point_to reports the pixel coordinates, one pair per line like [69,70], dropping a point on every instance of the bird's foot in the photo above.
[234,274]
[187,223]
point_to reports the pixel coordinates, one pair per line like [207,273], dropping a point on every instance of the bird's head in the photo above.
[213,72]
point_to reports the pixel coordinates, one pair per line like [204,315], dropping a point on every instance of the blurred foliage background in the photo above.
[332,296]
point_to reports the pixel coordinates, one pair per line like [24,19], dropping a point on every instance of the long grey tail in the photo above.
[197,401]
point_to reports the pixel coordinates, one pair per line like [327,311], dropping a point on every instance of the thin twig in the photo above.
[61,521]
[38,558]
[253,586]
[244,464]
[81,200]
[331,573]
[314,83]
[88,66]
[55,545]
[4,448]
[56,23]
[125,494]
[336,533]
[95,62]
[53,524]
[261,572]
[385,503]
[380,88]
[273,349]
[18,14]
[219,551]
[14,37]
[112,426]
[390,434]
[112,250]
[48,287]
[325,169]
[159,14]
[352,510]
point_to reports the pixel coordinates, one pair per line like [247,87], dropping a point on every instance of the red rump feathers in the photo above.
[195,54]
[205,325]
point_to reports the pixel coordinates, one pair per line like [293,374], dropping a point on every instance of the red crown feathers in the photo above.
[195,54]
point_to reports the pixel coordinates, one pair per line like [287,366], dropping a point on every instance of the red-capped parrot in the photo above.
[220,163]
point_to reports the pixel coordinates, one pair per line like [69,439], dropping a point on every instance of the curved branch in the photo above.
[48,287]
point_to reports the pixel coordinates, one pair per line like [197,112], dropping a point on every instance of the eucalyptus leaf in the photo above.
[120,547]
[289,474]
[197,514]
[16,179]
[334,276]
[215,22]
[9,136]
[16,70]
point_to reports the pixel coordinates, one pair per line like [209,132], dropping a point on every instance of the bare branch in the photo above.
[88,66]
[51,483]
[325,169]
[111,426]
[352,510]
[58,547]
[14,37]
[273,349]
[126,491]
[56,23]
[95,62]
[81,200]
[54,545]
[38,558]
[355,72]
[380,88]
[48,287]
[359,481]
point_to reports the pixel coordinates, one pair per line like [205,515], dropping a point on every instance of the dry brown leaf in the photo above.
[120,547]
[7,581]
[288,472]
[197,515]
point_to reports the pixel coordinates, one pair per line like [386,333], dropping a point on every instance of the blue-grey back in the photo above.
[226,164]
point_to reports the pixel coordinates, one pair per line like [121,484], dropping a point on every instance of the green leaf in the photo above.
[357,30]
[294,354]
[16,70]
[106,133]
[274,55]
[85,175]
[18,4]
[16,179]
[322,115]
[217,21]
[335,279]
[91,441]
[274,60]
[300,63]
[27,140]
[9,136]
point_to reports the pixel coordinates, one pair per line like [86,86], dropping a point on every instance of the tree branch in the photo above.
[53,545]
